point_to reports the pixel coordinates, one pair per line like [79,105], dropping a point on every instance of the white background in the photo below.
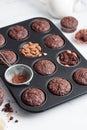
[68,116]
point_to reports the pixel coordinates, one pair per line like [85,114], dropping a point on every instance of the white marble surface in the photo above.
[71,115]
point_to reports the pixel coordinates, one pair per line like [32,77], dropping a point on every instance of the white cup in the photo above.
[61,8]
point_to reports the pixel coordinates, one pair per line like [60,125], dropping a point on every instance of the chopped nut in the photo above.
[74,54]
[68,51]
[31,50]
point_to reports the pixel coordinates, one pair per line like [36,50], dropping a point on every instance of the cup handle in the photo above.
[43,2]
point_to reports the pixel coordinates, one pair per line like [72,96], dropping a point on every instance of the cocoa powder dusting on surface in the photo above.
[16,121]
[7,108]
[19,78]
[11,118]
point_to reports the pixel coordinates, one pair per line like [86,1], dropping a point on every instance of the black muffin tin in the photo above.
[40,81]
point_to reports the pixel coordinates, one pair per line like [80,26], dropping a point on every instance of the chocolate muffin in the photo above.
[9,55]
[80,76]
[68,58]
[54,41]
[69,24]
[81,36]
[33,97]
[2,40]
[44,67]
[41,25]
[18,32]
[1,95]
[59,86]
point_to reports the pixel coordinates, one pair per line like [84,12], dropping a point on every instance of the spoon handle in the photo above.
[4,60]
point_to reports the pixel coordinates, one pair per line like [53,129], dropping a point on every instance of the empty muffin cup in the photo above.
[19,74]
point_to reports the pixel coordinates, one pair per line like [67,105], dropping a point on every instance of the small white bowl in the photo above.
[18,69]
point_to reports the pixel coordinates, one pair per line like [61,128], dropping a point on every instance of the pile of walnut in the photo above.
[31,50]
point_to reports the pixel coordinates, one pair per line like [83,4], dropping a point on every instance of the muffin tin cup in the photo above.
[54,49]
[15,39]
[58,61]
[17,57]
[24,43]
[43,33]
[38,80]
